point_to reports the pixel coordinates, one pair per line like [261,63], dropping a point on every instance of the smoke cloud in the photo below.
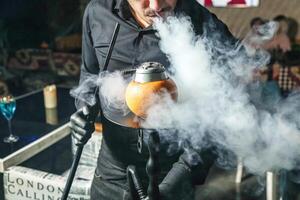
[219,104]
[215,101]
[85,93]
[108,87]
[111,92]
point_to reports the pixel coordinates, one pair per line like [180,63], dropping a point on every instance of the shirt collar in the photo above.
[121,7]
[118,4]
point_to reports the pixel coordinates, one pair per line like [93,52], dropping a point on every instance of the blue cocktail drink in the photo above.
[8,107]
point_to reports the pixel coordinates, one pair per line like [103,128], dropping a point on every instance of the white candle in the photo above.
[51,116]
[50,96]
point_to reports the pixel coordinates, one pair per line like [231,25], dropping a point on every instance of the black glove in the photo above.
[176,185]
[82,123]
[178,182]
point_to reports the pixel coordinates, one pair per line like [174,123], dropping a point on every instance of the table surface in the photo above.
[29,121]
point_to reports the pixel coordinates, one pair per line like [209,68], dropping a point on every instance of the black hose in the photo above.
[72,172]
[111,46]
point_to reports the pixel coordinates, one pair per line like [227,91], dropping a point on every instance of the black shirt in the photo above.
[134,45]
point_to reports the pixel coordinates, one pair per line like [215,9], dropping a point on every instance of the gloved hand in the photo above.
[178,182]
[82,123]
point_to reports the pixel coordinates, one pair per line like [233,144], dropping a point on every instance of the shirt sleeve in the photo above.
[89,58]
[85,93]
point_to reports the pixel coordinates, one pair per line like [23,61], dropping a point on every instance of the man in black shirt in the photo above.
[137,42]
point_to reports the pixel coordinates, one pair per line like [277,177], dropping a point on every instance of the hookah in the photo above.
[150,79]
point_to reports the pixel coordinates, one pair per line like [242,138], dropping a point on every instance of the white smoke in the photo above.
[111,92]
[262,33]
[108,87]
[259,36]
[215,107]
[214,101]
[85,93]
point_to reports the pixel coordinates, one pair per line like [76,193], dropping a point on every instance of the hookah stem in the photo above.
[153,166]
[80,147]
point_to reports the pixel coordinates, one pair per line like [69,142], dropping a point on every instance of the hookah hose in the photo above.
[80,147]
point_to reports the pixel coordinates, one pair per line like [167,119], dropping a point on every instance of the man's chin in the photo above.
[165,14]
[150,20]
[162,16]
[154,17]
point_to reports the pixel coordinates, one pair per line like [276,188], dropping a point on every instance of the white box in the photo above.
[21,183]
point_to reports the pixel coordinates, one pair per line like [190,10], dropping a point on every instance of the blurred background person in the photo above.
[280,41]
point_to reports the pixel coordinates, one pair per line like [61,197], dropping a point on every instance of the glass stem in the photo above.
[9,128]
